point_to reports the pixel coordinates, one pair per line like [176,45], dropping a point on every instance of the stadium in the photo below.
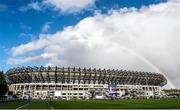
[81,83]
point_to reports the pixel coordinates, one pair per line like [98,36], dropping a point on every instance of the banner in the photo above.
[113,90]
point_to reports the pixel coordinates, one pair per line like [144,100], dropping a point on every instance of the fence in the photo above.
[7,99]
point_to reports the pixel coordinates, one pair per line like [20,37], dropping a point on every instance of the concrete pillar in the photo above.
[28,89]
[41,91]
[35,88]
[15,89]
[83,91]
[61,89]
[48,89]
[67,92]
[78,91]
[24,90]
[54,88]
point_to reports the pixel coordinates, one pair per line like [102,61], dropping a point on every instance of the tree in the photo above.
[3,84]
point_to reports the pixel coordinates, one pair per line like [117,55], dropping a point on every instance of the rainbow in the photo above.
[149,63]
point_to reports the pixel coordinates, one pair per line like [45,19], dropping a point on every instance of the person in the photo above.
[29,99]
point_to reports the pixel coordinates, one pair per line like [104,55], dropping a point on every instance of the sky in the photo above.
[138,35]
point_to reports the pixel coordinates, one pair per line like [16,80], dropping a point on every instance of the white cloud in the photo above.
[64,6]
[33,5]
[69,6]
[46,27]
[31,46]
[34,59]
[25,27]
[25,35]
[20,60]
[144,39]
[3,7]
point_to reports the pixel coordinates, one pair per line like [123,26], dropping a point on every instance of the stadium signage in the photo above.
[113,90]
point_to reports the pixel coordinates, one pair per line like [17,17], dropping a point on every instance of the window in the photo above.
[80,93]
[75,88]
[75,94]
[85,89]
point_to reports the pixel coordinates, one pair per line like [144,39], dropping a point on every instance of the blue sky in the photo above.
[19,27]
[139,35]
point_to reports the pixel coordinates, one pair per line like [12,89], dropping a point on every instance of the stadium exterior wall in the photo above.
[77,83]
[78,91]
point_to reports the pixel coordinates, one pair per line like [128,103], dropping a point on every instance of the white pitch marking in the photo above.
[50,106]
[21,106]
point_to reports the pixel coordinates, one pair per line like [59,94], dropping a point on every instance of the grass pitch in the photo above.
[12,105]
[173,103]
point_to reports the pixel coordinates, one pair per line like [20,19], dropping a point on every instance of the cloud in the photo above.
[33,5]
[30,36]
[131,39]
[31,46]
[46,27]
[3,7]
[28,59]
[25,27]
[69,6]
[21,35]
[64,6]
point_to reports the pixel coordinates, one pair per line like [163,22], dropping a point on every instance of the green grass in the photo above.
[38,105]
[12,105]
[107,104]
[173,103]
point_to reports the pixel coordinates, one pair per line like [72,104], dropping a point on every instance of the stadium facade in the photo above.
[77,83]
